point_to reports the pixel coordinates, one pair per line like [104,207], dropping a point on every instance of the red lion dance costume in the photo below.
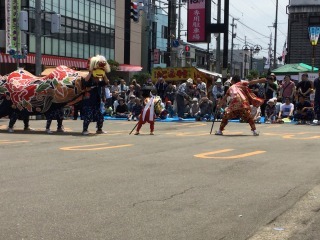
[241,98]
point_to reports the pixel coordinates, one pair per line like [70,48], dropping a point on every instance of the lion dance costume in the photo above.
[94,83]
[241,98]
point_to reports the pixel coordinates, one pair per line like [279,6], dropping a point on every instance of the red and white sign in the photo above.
[156,56]
[197,21]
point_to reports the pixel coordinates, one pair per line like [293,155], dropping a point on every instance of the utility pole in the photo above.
[218,63]
[179,20]
[168,57]
[275,38]
[233,35]
[127,32]
[38,37]
[270,51]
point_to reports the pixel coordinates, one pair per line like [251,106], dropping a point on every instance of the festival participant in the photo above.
[147,114]
[14,116]
[239,105]
[55,114]
[94,82]
[182,94]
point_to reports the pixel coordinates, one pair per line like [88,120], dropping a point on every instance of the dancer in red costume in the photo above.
[241,98]
[147,114]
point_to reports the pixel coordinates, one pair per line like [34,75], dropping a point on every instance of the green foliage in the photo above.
[113,65]
[254,73]
[141,77]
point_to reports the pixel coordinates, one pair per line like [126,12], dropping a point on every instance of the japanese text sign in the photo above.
[197,21]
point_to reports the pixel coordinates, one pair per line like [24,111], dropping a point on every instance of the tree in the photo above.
[141,77]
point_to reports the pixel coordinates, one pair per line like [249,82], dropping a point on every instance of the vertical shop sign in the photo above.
[197,21]
[13,8]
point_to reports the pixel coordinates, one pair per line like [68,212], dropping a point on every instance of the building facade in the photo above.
[299,47]
[88,27]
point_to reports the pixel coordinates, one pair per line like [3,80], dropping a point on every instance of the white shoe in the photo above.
[85,133]
[255,133]
[10,130]
[218,132]
[48,131]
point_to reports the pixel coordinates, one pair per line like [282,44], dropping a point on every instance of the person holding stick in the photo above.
[148,113]
[241,98]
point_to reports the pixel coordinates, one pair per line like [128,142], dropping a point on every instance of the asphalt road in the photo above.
[181,183]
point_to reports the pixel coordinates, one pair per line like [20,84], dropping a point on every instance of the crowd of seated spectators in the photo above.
[283,100]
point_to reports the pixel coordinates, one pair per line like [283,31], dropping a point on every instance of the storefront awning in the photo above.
[46,60]
[210,73]
[129,68]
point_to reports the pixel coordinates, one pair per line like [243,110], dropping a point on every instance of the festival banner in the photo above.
[177,74]
[13,33]
[197,21]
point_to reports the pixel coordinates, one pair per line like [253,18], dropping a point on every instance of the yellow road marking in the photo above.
[209,154]
[93,147]
[306,138]
[293,136]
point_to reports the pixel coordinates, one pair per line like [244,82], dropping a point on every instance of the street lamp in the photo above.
[253,49]
[314,32]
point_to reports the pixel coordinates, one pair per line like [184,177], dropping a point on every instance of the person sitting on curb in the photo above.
[286,110]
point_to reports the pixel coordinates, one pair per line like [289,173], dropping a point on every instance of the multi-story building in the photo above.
[88,27]
[299,47]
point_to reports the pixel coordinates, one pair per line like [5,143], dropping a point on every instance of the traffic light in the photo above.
[187,50]
[134,12]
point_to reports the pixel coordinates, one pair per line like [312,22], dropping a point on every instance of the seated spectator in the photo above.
[206,108]
[270,112]
[131,102]
[129,93]
[136,109]
[194,110]
[169,109]
[186,109]
[116,103]
[286,109]
[122,109]
[108,96]
[278,104]
[170,93]
[305,112]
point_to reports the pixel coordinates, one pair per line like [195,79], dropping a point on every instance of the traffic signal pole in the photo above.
[38,37]
[127,32]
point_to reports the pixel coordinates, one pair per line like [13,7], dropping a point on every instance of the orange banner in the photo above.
[177,74]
